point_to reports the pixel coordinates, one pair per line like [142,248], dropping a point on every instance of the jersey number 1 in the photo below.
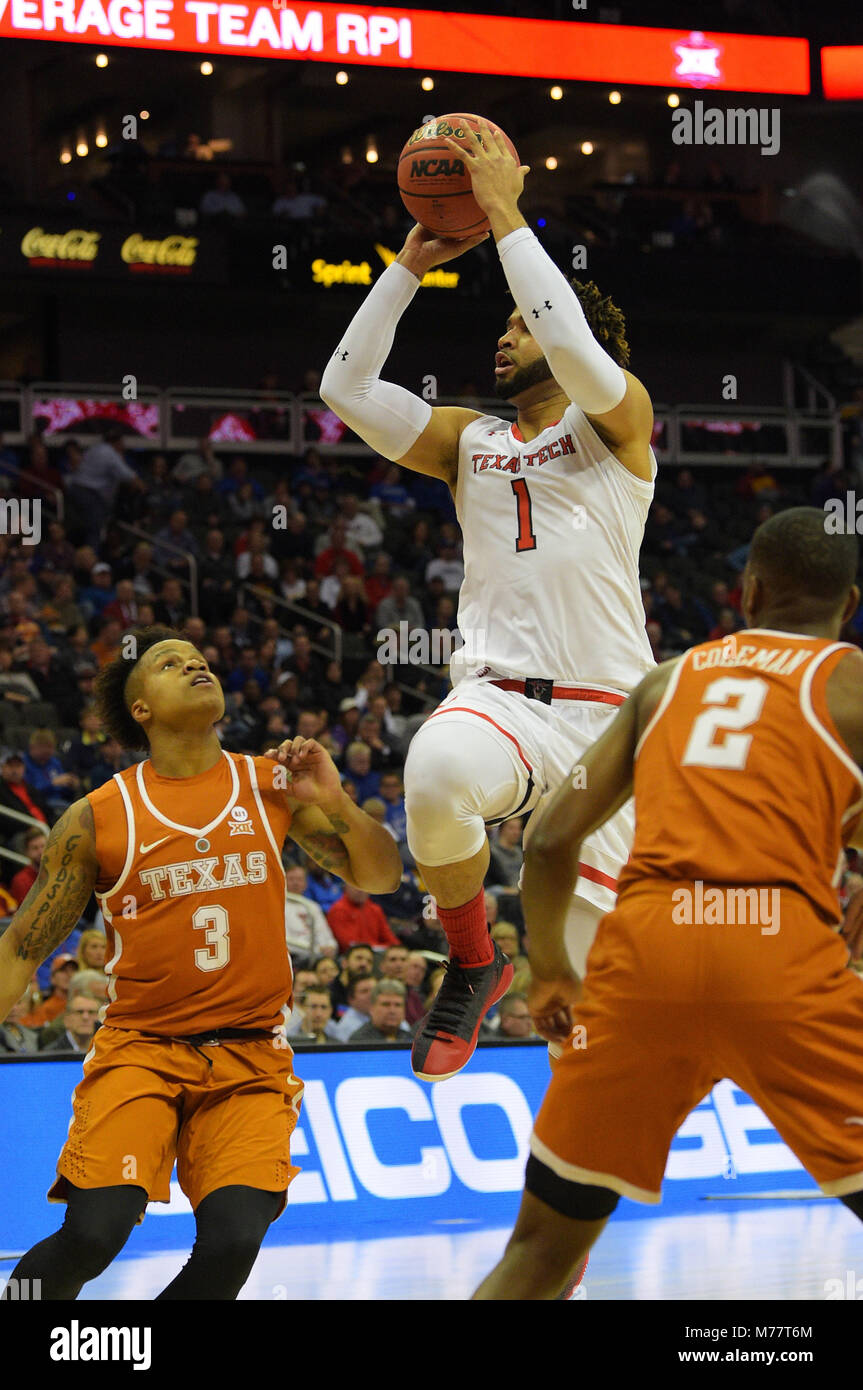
[525,539]
[715,740]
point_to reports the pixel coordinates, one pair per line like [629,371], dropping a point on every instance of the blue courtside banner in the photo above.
[382,1153]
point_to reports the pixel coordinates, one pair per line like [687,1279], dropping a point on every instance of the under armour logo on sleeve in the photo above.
[536,312]
[342,355]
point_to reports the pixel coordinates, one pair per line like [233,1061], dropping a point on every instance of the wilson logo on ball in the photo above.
[434,129]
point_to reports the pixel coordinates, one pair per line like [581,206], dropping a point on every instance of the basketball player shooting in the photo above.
[183,852]
[745,756]
[552,511]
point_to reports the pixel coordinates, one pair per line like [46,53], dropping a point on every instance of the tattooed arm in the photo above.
[328,825]
[51,909]
[348,843]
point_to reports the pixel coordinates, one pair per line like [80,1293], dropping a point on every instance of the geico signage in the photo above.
[347,1150]
[176,253]
[74,247]
[362,1140]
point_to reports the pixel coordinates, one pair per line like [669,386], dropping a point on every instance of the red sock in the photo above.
[467,931]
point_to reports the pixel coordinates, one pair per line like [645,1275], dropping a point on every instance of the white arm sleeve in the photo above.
[389,418]
[553,314]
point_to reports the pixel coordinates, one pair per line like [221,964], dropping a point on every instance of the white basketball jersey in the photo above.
[552,530]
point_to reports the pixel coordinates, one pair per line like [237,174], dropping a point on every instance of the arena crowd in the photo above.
[306,572]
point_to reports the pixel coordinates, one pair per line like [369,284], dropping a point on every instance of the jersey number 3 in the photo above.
[213,921]
[715,740]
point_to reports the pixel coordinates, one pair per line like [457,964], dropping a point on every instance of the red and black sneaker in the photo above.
[569,1292]
[447,1035]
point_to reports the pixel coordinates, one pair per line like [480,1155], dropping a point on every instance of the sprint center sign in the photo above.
[331,267]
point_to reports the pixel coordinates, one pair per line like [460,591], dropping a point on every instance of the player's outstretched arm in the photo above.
[67,876]
[845,706]
[391,420]
[332,828]
[615,402]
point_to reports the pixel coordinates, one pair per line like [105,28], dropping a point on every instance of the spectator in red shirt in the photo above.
[354,918]
[380,582]
[123,608]
[22,882]
[727,623]
[338,549]
[17,794]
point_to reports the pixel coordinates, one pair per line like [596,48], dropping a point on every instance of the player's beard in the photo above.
[505,387]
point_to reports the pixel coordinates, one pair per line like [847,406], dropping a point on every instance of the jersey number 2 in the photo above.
[214,923]
[731,748]
[525,539]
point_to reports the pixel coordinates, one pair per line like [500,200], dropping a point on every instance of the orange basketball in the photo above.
[435,184]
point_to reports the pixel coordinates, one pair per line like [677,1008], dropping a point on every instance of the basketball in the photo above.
[435,184]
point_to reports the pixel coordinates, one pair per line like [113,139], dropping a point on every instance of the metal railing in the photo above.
[13,857]
[333,653]
[808,422]
[783,438]
[191,583]
[23,818]
[58,501]
[142,406]
[230,418]
[798,382]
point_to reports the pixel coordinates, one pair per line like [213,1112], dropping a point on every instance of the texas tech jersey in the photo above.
[552,531]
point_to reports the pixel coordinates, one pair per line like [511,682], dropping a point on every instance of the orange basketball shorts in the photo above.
[671,1007]
[225,1113]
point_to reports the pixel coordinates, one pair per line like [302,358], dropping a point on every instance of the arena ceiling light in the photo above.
[562,50]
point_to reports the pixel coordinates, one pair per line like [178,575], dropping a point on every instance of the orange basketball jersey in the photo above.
[192,890]
[741,776]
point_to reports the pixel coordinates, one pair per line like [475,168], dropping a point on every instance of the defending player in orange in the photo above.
[183,852]
[723,956]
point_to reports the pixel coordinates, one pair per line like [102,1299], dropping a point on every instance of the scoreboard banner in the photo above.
[381,1153]
[430,40]
[842,72]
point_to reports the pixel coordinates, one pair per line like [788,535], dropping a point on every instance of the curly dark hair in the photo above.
[112,680]
[606,321]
